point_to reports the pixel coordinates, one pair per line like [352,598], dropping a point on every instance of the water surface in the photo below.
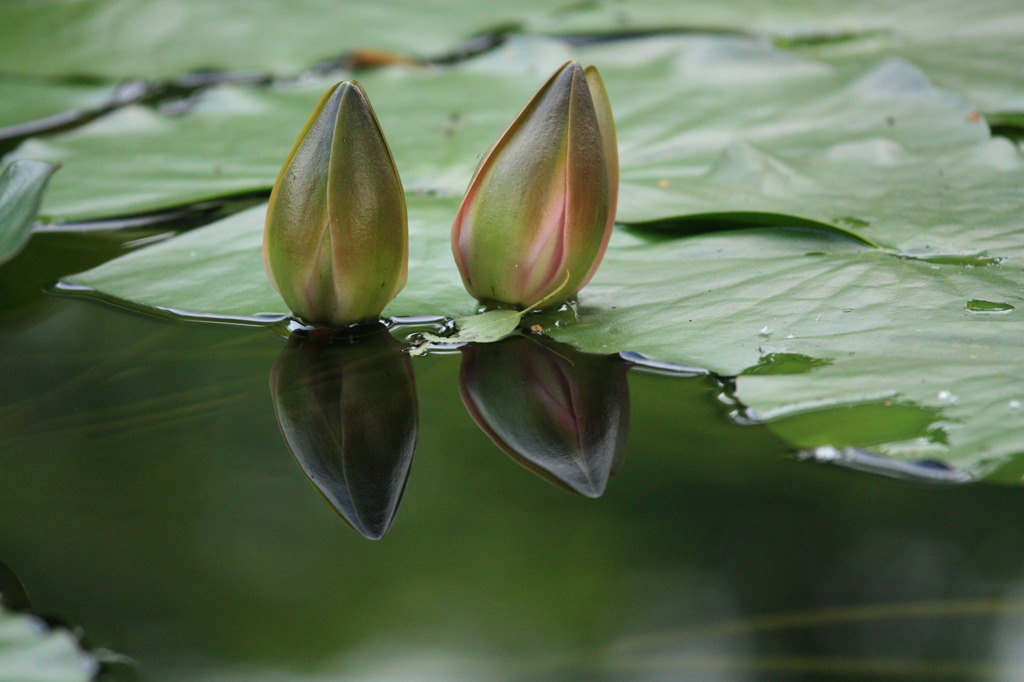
[147,495]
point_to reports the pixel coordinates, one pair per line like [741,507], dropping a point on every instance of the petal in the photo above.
[297,213]
[606,123]
[587,195]
[366,212]
[512,210]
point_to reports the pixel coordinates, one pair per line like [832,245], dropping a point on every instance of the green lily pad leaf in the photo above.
[884,156]
[982,63]
[235,139]
[491,325]
[971,48]
[756,126]
[146,39]
[21,190]
[888,203]
[486,327]
[30,651]
[27,100]
[869,326]
[785,18]
[229,252]
[30,106]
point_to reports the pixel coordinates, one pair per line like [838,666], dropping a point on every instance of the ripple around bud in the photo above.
[347,409]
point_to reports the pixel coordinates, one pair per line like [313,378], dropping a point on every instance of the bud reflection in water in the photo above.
[559,412]
[347,408]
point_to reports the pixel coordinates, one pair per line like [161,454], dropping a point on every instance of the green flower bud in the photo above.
[336,241]
[537,216]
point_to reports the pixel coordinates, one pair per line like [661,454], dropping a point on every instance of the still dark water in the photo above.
[147,495]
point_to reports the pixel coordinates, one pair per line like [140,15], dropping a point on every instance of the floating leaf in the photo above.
[31,106]
[893,328]
[880,157]
[146,39]
[973,48]
[494,325]
[487,327]
[179,271]
[30,651]
[21,190]
[800,139]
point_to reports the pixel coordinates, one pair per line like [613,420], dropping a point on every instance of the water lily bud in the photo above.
[561,413]
[347,409]
[336,241]
[537,216]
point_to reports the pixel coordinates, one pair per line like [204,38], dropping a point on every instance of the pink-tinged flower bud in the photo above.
[561,413]
[336,241]
[536,219]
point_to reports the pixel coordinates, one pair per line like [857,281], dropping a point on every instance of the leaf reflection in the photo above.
[347,408]
[12,592]
[561,413]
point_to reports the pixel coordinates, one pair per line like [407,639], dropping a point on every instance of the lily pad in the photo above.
[918,205]
[486,327]
[24,100]
[971,48]
[981,64]
[229,252]
[894,328]
[235,139]
[794,19]
[30,651]
[21,189]
[715,133]
[705,124]
[162,38]
[32,106]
